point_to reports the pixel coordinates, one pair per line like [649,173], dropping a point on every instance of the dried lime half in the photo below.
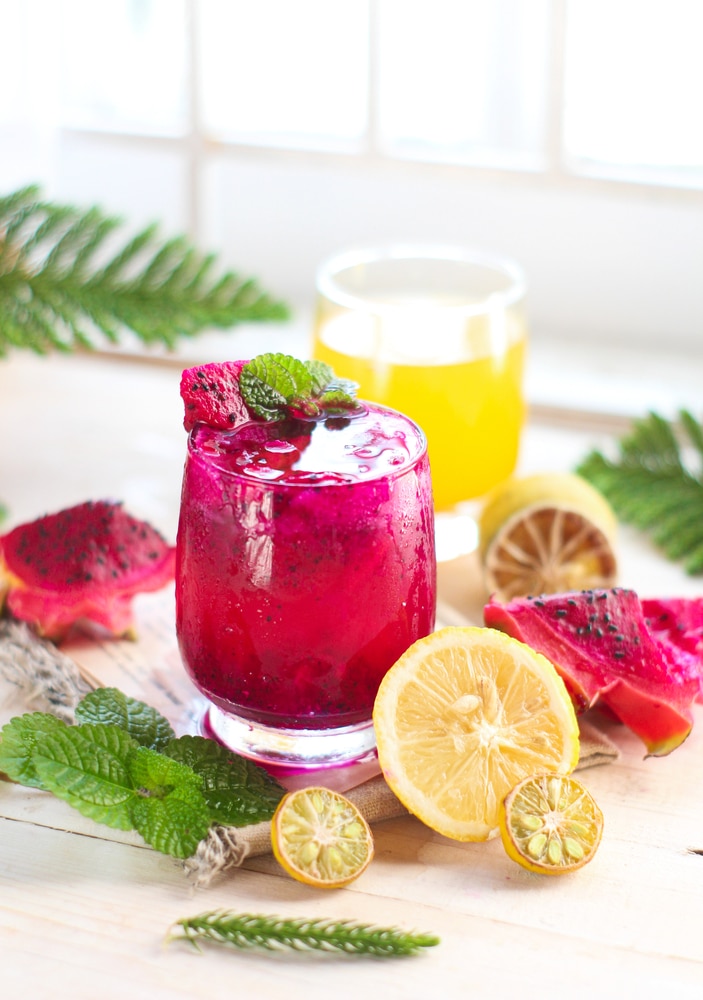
[550,824]
[320,837]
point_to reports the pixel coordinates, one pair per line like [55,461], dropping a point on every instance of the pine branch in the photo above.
[57,291]
[652,487]
[246,930]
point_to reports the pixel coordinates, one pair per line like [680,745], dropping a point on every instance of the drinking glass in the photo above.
[439,333]
[306,566]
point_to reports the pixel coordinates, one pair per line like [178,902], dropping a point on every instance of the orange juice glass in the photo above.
[440,334]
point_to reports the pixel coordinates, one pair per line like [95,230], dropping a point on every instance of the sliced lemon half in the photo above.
[461,718]
[320,837]
[551,824]
[546,534]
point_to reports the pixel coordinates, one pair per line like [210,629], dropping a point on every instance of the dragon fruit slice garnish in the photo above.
[211,395]
[601,645]
[82,565]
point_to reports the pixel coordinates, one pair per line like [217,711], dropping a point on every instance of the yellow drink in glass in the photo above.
[441,336]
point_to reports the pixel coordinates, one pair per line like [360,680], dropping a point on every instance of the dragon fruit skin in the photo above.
[211,396]
[601,646]
[82,564]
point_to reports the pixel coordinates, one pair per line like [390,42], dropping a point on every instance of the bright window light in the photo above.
[123,65]
[283,73]
[464,80]
[634,79]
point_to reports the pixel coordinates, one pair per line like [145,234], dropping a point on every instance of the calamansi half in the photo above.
[550,824]
[321,838]
[461,718]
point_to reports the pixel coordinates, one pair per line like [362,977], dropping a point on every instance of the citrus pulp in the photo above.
[461,718]
[550,824]
[320,837]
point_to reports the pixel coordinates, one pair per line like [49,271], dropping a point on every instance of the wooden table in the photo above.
[86,916]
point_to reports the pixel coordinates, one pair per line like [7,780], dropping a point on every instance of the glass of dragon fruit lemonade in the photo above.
[305,566]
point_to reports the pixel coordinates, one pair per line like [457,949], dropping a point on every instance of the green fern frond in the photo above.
[247,930]
[651,486]
[59,292]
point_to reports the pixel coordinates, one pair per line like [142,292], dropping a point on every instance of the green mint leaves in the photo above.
[274,386]
[237,792]
[108,706]
[122,766]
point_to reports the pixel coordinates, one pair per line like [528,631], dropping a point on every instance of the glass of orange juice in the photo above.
[440,334]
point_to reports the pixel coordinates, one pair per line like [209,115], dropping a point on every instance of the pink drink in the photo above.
[306,566]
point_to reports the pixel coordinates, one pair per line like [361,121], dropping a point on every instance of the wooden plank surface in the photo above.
[82,915]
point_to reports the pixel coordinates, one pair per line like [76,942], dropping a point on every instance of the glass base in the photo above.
[291,748]
[456,532]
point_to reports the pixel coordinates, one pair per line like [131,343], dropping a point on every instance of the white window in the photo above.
[564,133]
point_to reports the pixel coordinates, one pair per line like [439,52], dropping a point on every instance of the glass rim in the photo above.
[390,474]
[328,270]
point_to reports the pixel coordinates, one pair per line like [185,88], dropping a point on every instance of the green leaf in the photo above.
[86,766]
[247,930]
[276,385]
[237,791]
[270,381]
[336,401]
[173,824]
[53,296]
[109,706]
[18,741]
[321,375]
[651,486]
[156,774]
[169,810]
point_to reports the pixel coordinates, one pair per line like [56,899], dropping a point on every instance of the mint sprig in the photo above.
[237,793]
[274,386]
[122,766]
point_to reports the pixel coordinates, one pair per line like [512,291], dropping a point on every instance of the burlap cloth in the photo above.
[52,682]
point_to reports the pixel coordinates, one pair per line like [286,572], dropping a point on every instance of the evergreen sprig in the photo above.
[63,284]
[651,486]
[247,930]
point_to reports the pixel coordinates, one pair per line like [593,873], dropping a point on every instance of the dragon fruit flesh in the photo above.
[211,395]
[677,621]
[82,564]
[601,645]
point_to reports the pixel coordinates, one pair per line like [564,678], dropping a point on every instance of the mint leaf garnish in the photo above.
[236,790]
[86,767]
[19,740]
[274,386]
[320,375]
[111,707]
[268,382]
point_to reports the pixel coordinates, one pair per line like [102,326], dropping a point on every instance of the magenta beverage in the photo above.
[306,566]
